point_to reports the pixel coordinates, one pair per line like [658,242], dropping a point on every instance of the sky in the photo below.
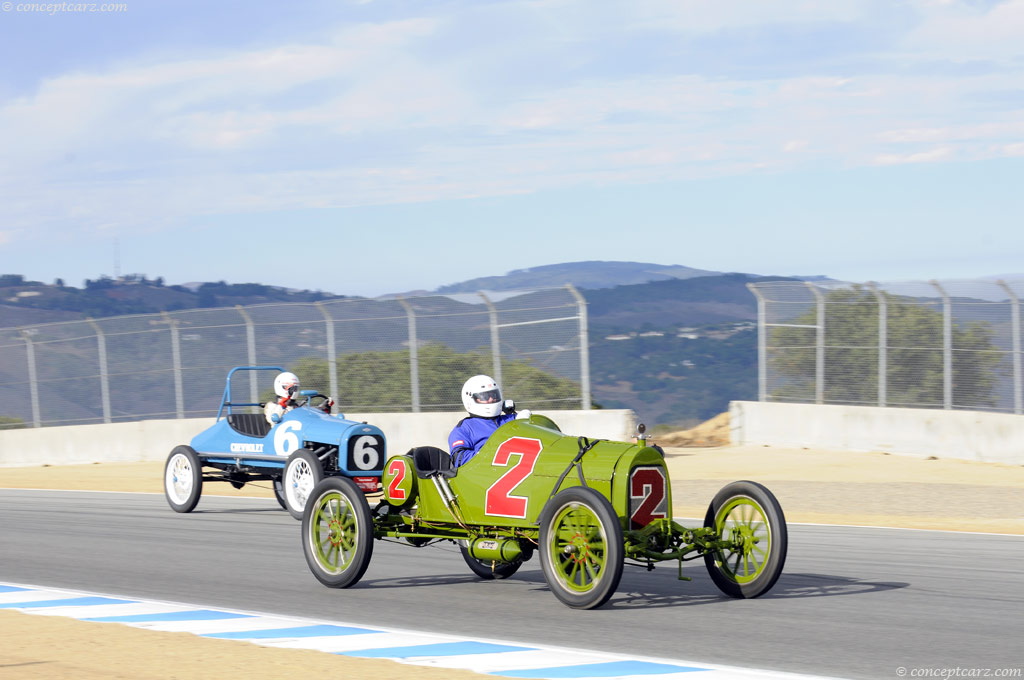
[371,147]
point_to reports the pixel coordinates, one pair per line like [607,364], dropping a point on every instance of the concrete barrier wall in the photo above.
[969,435]
[150,440]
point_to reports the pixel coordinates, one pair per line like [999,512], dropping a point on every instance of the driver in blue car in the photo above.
[286,385]
[487,412]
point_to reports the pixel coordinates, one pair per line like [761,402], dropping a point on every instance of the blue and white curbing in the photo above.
[489,657]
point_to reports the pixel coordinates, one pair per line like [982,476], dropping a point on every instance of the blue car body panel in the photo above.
[253,442]
[361,446]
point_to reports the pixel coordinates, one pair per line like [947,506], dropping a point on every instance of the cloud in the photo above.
[931,156]
[411,110]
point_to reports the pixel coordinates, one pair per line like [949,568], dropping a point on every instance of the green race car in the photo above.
[586,507]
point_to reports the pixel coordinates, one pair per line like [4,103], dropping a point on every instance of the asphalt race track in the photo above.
[852,602]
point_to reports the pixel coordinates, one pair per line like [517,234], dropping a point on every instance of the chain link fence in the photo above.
[950,344]
[372,355]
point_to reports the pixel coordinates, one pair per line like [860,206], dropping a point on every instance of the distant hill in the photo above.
[26,302]
[591,274]
[665,304]
[676,350]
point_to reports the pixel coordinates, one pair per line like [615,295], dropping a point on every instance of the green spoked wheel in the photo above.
[337,532]
[581,547]
[748,517]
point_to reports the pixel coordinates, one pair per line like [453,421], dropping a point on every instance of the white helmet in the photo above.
[482,397]
[286,383]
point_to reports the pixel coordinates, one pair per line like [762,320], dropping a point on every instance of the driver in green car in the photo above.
[487,412]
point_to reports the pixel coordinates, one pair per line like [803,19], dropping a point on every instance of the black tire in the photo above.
[337,516]
[580,587]
[484,568]
[302,473]
[279,493]
[749,505]
[183,479]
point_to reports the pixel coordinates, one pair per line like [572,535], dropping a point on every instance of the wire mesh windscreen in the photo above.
[954,344]
[371,355]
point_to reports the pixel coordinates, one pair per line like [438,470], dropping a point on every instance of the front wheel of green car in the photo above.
[581,547]
[337,532]
[748,519]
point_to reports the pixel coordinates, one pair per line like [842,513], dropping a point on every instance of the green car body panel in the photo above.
[515,473]
[586,506]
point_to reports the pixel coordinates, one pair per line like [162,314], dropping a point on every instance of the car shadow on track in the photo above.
[418,581]
[240,511]
[636,589]
[639,590]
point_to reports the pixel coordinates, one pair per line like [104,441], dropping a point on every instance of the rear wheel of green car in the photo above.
[490,569]
[581,548]
[337,532]
[748,517]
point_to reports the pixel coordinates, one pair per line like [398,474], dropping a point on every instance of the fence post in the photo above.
[332,358]
[883,342]
[33,379]
[581,311]
[101,347]
[947,347]
[414,357]
[1018,397]
[179,398]
[762,345]
[495,340]
[819,352]
[250,346]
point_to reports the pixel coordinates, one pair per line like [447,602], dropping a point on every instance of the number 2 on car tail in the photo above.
[397,468]
[648,499]
[499,501]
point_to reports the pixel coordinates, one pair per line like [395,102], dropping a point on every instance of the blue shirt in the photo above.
[471,433]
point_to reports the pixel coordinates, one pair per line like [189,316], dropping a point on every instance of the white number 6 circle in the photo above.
[286,441]
[365,456]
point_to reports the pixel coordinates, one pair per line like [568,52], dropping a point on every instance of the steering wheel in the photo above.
[310,395]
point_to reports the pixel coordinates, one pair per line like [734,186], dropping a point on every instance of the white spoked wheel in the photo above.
[183,479]
[302,472]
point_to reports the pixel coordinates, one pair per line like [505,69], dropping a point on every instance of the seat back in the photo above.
[430,460]
[251,424]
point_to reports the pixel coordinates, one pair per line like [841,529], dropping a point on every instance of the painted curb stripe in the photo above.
[69,602]
[12,589]
[435,650]
[297,632]
[491,657]
[194,615]
[609,669]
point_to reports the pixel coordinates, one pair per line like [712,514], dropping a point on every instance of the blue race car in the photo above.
[294,454]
